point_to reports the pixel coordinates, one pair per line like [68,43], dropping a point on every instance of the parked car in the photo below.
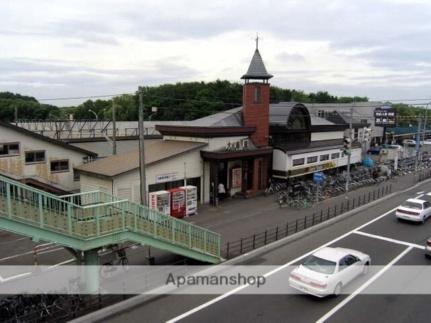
[417,210]
[328,270]
[409,142]
[428,248]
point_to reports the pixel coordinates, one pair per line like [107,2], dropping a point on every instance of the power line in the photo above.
[383,101]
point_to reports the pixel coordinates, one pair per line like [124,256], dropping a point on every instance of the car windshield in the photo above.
[320,265]
[412,205]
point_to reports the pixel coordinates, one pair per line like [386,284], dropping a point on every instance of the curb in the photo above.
[121,307]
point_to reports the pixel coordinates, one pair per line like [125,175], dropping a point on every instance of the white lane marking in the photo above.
[68,261]
[420,192]
[16,276]
[362,287]
[405,243]
[15,240]
[47,250]
[29,273]
[44,244]
[219,298]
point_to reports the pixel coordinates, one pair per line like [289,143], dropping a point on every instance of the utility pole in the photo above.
[114,129]
[425,122]
[350,151]
[16,115]
[418,144]
[142,149]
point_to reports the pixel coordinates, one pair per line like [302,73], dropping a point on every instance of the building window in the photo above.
[312,159]
[76,176]
[58,166]
[297,162]
[34,157]
[9,149]
[335,156]
[257,94]
[324,157]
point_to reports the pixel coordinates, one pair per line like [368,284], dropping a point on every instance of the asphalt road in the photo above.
[374,231]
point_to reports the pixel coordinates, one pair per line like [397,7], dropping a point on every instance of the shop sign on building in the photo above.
[312,169]
[385,116]
[169,177]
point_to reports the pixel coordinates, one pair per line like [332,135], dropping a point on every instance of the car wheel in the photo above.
[337,289]
[366,268]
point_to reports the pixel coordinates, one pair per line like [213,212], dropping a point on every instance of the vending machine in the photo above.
[161,202]
[178,202]
[191,199]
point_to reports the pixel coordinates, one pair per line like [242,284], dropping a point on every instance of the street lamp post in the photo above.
[153,112]
[95,114]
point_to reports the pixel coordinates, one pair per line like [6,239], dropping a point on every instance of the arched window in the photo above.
[297,119]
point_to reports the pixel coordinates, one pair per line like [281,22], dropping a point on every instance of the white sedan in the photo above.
[417,210]
[328,270]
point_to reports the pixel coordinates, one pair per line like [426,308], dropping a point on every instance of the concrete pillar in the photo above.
[255,175]
[90,277]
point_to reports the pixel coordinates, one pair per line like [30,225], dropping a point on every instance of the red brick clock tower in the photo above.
[255,99]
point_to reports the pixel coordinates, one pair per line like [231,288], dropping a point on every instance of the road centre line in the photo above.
[362,287]
[221,297]
[405,243]
[47,250]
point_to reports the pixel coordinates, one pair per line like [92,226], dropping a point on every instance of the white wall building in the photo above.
[40,161]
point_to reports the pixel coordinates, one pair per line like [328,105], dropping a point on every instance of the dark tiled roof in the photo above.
[257,69]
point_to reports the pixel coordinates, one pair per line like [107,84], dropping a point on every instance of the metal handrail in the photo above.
[67,215]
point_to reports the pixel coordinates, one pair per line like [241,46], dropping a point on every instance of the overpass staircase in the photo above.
[88,221]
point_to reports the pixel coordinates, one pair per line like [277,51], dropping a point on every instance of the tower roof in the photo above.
[257,69]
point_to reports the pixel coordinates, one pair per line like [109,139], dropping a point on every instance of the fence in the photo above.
[423,175]
[257,240]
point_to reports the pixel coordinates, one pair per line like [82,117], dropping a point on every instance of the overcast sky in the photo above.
[375,48]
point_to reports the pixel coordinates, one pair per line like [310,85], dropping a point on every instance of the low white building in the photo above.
[305,144]
[40,161]
[167,163]
[170,162]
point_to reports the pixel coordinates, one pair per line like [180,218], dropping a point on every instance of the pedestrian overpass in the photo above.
[87,221]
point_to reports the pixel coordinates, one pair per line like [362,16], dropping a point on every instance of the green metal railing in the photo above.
[90,215]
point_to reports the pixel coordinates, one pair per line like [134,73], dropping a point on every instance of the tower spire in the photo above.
[257,69]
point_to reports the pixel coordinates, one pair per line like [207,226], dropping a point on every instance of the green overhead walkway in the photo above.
[90,220]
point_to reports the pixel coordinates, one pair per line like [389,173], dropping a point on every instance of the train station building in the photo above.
[240,148]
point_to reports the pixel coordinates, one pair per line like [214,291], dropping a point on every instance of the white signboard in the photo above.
[169,177]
